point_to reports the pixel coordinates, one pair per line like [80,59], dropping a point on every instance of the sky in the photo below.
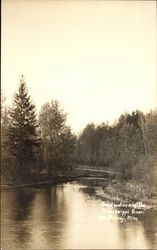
[97,58]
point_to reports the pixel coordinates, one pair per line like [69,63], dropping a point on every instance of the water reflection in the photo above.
[16,213]
[149,224]
[66,217]
[48,218]
[23,200]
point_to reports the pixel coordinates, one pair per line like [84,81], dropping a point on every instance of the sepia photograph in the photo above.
[78,124]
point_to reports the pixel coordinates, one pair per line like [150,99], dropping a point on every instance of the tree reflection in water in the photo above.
[67,216]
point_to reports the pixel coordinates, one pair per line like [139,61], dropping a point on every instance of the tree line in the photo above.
[129,146]
[34,145]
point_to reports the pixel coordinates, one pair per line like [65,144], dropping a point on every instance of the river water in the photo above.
[68,217]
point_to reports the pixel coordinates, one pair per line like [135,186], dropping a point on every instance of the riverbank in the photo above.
[53,181]
[114,188]
[109,189]
[128,192]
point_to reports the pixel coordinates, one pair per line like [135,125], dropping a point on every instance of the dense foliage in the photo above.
[57,139]
[22,133]
[45,146]
[31,146]
[129,146]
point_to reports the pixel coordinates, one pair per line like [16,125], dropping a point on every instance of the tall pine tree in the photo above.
[22,129]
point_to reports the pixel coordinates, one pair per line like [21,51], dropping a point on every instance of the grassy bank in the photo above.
[126,192]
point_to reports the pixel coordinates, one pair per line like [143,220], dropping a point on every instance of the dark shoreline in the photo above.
[57,180]
[115,192]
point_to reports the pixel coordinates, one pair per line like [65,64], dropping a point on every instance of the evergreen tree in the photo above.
[22,129]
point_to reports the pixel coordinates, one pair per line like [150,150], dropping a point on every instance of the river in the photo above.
[69,216]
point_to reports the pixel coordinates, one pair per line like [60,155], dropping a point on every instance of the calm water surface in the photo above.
[67,217]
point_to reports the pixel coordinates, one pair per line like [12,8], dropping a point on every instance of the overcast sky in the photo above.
[98,58]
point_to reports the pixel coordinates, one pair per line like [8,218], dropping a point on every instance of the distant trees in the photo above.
[29,146]
[86,145]
[129,146]
[22,133]
[57,139]
[97,145]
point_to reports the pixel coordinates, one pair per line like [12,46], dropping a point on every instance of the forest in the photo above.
[40,144]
